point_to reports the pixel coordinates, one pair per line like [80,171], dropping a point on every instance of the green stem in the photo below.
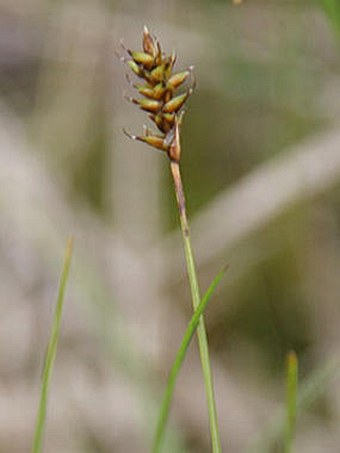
[291,403]
[332,9]
[51,351]
[179,359]
[310,391]
[195,293]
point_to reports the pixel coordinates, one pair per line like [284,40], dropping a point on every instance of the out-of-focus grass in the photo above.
[332,9]
[311,389]
[51,351]
[291,400]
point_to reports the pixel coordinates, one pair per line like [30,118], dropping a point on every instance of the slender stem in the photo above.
[51,351]
[179,359]
[310,391]
[291,402]
[195,293]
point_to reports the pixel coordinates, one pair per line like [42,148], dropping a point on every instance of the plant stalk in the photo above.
[291,401]
[179,359]
[51,351]
[196,297]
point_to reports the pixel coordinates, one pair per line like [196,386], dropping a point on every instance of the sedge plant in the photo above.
[51,351]
[164,106]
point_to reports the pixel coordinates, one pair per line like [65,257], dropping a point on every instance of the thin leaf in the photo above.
[51,351]
[189,333]
[310,391]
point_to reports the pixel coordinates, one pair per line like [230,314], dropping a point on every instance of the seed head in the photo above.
[159,88]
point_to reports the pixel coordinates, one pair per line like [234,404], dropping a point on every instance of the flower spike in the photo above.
[160,97]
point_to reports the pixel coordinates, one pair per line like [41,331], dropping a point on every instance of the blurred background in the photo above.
[261,167]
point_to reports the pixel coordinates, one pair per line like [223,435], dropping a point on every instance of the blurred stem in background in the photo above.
[310,391]
[291,400]
[332,9]
[52,350]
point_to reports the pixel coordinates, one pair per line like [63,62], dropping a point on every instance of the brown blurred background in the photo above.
[261,164]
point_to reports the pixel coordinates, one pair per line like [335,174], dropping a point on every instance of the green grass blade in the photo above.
[189,333]
[332,9]
[291,402]
[310,391]
[51,351]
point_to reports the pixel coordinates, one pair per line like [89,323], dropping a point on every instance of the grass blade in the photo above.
[310,391]
[291,402]
[189,333]
[51,351]
[332,9]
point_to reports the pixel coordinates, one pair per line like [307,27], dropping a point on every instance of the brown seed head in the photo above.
[159,90]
